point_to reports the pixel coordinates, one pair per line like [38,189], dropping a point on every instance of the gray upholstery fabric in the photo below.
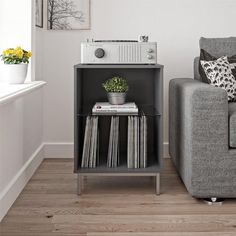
[219,46]
[232,124]
[198,138]
[196,69]
[202,125]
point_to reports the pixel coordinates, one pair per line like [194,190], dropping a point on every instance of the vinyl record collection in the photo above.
[90,157]
[113,148]
[136,142]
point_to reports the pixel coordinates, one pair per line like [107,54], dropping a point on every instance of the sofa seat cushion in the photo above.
[232,124]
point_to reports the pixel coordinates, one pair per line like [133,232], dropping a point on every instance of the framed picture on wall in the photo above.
[39,13]
[68,14]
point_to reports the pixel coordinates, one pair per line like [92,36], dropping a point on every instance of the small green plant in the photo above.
[116,85]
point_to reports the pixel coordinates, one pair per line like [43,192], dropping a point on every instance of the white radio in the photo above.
[118,52]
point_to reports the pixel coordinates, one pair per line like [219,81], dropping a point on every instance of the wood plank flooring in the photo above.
[112,206]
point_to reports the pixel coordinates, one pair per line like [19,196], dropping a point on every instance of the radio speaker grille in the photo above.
[130,53]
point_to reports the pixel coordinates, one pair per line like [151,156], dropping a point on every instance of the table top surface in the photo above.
[128,66]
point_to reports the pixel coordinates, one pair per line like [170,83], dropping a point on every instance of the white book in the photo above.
[115,113]
[116,110]
[107,105]
[133,111]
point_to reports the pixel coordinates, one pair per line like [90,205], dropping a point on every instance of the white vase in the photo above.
[15,73]
[116,98]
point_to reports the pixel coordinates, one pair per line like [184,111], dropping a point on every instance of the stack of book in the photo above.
[105,108]
[113,148]
[137,142]
[91,143]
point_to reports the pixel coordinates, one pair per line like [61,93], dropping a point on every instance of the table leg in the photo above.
[158,184]
[79,184]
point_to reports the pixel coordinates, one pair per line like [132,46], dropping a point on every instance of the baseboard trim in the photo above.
[65,150]
[10,193]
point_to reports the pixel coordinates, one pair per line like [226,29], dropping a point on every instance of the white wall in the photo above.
[175,25]
[21,121]
[21,139]
[38,52]
[16,26]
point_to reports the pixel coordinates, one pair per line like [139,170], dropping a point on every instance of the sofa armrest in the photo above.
[198,128]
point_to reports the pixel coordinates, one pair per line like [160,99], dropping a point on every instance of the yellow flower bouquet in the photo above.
[15,56]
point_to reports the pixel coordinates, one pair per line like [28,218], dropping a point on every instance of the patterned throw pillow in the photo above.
[219,74]
[206,56]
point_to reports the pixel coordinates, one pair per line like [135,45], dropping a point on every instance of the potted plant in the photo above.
[116,89]
[16,62]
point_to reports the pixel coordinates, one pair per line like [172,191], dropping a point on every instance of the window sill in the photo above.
[10,92]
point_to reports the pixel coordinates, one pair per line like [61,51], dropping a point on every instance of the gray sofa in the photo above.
[202,130]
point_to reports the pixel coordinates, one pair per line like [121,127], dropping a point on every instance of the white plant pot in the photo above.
[116,98]
[15,73]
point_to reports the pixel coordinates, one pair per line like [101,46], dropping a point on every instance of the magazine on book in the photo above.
[107,108]
[106,105]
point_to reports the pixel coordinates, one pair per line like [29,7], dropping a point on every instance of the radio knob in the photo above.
[150,50]
[150,57]
[99,53]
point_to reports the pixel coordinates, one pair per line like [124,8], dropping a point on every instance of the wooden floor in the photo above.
[117,206]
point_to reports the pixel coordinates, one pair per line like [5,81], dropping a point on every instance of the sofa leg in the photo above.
[213,201]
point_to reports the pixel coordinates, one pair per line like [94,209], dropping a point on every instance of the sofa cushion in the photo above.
[220,75]
[205,56]
[217,47]
[232,124]
[196,69]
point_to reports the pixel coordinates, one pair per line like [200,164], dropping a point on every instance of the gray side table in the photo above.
[146,89]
